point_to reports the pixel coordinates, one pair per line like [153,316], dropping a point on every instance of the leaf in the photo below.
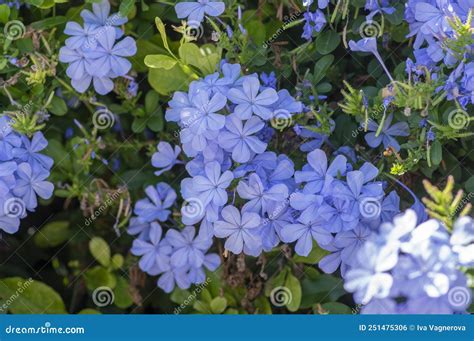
[100,250]
[156,123]
[49,23]
[117,261]
[161,28]
[53,234]
[99,277]
[321,67]
[336,308]
[168,81]
[4,13]
[152,100]
[30,297]
[123,298]
[218,305]
[436,153]
[126,7]
[160,61]
[58,106]
[257,31]
[204,58]
[293,284]
[327,42]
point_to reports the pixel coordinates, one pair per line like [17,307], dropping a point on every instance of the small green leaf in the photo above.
[321,67]
[436,153]
[117,261]
[218,305]
[52,234]
[167,81]
[100,250]
[27,296]
[293,285]
[58,106]
[161,28]
[99,277]
[327,42]
[160,61]
[123,298]
[4,13]
[152,100]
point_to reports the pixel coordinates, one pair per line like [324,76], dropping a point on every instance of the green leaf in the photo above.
[52,234]
[202,307]
[4,13]
[89,311]
[22,296]
[321,67]
[293,284]
[161,28]
[152,100]
[314,256]
[436,153]
[156,123]
[204,58]
[48,23]
[336,308]
[327,42]
[100,250]
[123,298]
[117,261]
[218,305]
[126,7]
[99,277]
[139,124]
[168,81]
[257,31]
[58,106]
[160,61]
[469,185]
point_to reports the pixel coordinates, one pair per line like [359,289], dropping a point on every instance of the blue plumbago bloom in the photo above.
[139,228]
[304,231]
[165,158]
[238,138]
[260,197]
[279,215]
[189,249]
[154,251]
[194,11]
[249,100]
[211,187]
[314,22]
[316,140]
[23,175]
[316,174]
[269,80]
[410,264]
[241,231]
[369,45]
[94,53]
[203,116]
[156,206]
[462,240]
[387,133]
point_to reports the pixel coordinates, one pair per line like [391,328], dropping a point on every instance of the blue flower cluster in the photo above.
[179,257]
[94,52]
[429,22]
[410,269]
[23,174]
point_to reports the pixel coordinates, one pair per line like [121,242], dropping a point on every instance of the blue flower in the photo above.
[314,22]
[260,197]
[154,251]
[156,206]
[188,249]
[30,151]
[387,133]
[269,80]
[241,231]
[100,15]
[304,231]
[369,45]
[239,139]
[211,187]
[249,100]
[31,182]
[195,11]
[316,174]
[165,158]
[203,116]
